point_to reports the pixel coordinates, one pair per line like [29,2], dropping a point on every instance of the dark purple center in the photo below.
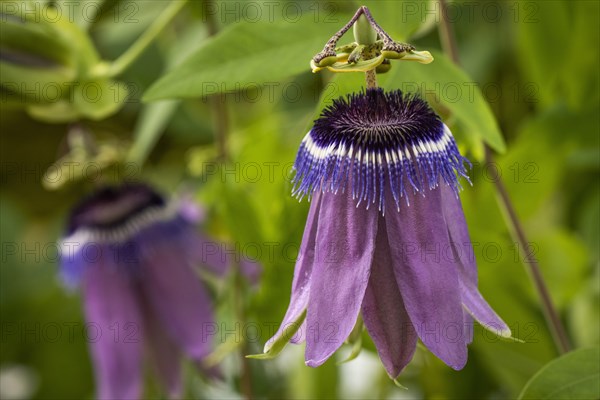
[112,206]
[378,119]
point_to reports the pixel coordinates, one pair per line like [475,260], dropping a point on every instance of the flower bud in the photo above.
[47,66]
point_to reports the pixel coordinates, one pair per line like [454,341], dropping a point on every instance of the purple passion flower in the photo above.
[133,255]
[385,236]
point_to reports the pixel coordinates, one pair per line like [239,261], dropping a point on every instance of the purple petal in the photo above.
[476,306]
[427,279]
[383,311]
[302,275]
[481,310]
[175,293]
[468,327]
[459,232]
[217,257]
[251,270]
[208,253]
[115,325]
[345,247]
[166,357]
[72,263]
[190,210]
[462,249]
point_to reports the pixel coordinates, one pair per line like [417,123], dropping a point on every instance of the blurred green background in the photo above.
[68,122]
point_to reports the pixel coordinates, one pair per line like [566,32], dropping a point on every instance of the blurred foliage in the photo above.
[529,86]
[575,375]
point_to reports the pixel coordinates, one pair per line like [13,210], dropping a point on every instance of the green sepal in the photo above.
[274,347]
[398,384]
[330,60]
[360,66]
[384,67]
[355,339]
[422,57]
[76,164]
[392,55]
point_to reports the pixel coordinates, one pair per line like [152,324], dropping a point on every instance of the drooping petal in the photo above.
[302,276]
[209,254]
[481,310]
[474,303]
[428,281]
[165,355]
[462,249]
[468,327]
[175,292]
[114,316]
[345,247]
[383,311]
[459,232]
[73,262]
[218,258]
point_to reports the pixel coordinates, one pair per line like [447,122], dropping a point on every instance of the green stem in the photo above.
[553,321]
[551,316]
[118,66]
[240,312]
[371,77]
[365,35]
[217,104]
[221,125]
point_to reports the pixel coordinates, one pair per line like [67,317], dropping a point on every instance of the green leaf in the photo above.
[151,123]
[575,375]
[400,19]
[448,88]
[83,14]
[245,54]
[585,308]
[582,61]
[544,38]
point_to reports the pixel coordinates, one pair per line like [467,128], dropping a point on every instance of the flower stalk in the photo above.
[221,127]
[124,61]
[365,35]
[551,316]
[217,103]
[371,78]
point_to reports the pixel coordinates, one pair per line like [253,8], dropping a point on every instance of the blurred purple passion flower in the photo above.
[133,254]
[407,266]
